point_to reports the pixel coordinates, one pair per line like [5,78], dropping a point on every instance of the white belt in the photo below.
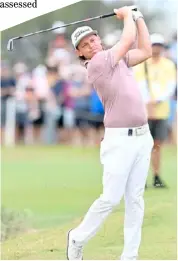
[137,131]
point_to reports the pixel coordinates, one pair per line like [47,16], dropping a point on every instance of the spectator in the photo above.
[96,113]
[96,120]
[40,94]
[172,120]
[53,104]
[59,50]
[173,101]
[7,90]
[60,105]
[157,79]
[174,127]
[23,82]
[68,119]
[81,105]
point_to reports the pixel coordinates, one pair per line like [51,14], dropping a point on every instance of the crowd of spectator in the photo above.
[42,103]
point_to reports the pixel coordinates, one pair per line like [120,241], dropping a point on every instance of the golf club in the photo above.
[10,44]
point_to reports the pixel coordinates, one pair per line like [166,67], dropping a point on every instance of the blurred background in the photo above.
[50,139]
[42,69]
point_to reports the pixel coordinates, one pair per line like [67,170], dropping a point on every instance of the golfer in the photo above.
[126,148]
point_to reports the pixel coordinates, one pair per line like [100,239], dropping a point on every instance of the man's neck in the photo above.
[156,59]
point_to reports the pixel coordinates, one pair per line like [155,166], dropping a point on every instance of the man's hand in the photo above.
[143,51]
[123,12]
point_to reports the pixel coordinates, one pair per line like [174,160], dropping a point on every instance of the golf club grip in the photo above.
[112,14]
[108,15]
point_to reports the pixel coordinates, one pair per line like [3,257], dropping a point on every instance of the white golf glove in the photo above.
[136,14]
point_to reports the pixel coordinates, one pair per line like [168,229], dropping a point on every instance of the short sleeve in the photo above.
[101,64]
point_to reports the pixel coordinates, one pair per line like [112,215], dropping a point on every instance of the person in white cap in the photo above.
[157,80]
[59,49]
[127,144]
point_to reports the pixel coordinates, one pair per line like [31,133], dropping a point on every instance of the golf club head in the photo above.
[10,45]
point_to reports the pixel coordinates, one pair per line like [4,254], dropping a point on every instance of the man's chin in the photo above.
[91,56]
[94,52]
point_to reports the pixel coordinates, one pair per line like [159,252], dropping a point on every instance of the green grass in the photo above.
[57,185]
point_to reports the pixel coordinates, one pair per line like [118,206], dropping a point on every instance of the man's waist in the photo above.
[131,131]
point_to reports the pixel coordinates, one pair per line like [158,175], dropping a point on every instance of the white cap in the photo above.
[60,30]
[80,33]
[157,39]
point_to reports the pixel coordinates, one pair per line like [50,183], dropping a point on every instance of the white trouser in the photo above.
[126,161]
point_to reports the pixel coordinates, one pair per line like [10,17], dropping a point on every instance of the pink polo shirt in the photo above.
[118,91]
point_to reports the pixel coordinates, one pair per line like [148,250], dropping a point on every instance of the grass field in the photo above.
[58,184]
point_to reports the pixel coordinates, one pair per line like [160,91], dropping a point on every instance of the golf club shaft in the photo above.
[10,42]
[65,25]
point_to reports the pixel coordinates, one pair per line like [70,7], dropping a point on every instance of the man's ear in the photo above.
[78,52]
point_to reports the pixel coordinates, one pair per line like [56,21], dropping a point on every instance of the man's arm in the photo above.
[144,48]
[128,37]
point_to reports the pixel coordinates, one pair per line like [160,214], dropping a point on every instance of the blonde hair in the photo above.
[84,61]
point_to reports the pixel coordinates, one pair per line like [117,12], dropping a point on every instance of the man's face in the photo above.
[157,49]
[89,46]
[60,41]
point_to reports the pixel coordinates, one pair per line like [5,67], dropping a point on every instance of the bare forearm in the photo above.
[127,39]
[143,51]
[143,36]
[129,32]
